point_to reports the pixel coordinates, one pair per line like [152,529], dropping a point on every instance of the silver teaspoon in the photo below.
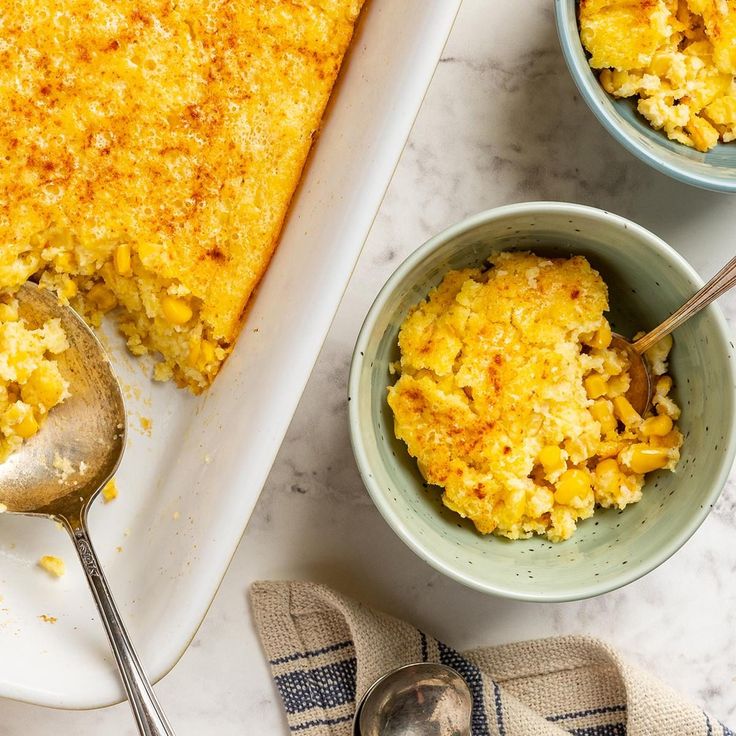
[423,699]
[88,430]
[642,387]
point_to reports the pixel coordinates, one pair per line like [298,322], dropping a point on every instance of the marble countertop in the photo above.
[501,123]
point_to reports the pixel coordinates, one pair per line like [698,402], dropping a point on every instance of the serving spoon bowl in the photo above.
[641,388]
[60,471]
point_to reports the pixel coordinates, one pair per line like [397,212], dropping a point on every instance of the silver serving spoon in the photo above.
[423,699]
[641,389]
[88,430]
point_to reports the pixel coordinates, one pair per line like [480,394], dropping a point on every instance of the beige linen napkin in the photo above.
[324,648]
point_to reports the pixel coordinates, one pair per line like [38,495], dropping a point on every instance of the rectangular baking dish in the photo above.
[189,482]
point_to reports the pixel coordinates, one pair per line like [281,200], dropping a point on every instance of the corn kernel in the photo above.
[595,386]
[602,337]
[606,79]
[208,351]
[663,385]
[102,298]
[602,412]
[620,78]
[607,467]
[27,427]
[658,426]
[644,458]
[607,480]
[703,134]
[195,350]
[625,412]
[110,491]
[573,483]
[551,458]
[176,311]
[122,259]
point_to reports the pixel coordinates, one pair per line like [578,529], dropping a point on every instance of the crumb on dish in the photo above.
[512,401]
[53,565]
[110,491]
[31,383]
[677,56]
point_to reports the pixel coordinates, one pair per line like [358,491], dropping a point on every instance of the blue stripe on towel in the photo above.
[474,679]
[311,653]
[320,687]
[423,641]
[589,712]
[499,711]
[610,729]
[321,722]
[727,731]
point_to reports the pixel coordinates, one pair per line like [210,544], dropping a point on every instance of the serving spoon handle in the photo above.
[724,280]
[146,709]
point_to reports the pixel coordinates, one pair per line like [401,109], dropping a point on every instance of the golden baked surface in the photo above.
[31,383]
[511,400]
[677,56]
[151,148]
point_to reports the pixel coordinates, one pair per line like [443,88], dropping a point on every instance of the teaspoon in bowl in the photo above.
[423,699]
[642,387]
[88,432]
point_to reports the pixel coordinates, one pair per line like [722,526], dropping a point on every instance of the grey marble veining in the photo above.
[502,122]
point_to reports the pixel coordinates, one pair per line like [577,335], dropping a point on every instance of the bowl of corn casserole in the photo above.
[488,412]
[661,78]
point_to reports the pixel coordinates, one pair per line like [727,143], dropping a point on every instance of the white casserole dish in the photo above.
[188,489]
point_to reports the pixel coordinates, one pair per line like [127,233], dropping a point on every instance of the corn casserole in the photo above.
[150,151]
[510,398]
[677,56]
[31,383]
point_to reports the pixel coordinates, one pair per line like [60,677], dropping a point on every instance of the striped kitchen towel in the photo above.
[324,649]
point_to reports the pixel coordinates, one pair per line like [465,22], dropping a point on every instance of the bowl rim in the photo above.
[587,86]
[380,498]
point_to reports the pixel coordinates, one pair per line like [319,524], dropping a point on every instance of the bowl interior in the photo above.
[715,169]
[647,282]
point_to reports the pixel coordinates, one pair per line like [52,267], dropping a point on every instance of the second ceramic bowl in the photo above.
[713,170]
[647,280]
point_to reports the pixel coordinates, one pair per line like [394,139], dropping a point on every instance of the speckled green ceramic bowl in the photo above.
[713,170]
[647,280]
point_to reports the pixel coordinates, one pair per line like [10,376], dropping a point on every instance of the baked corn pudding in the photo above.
[31,384]
[512,400]
[150,151]
[677,56]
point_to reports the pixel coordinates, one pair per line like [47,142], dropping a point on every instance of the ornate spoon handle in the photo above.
[146,709]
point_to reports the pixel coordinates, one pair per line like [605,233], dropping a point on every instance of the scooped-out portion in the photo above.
[31,384]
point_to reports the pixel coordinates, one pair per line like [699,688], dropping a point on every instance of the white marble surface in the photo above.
[501,123]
